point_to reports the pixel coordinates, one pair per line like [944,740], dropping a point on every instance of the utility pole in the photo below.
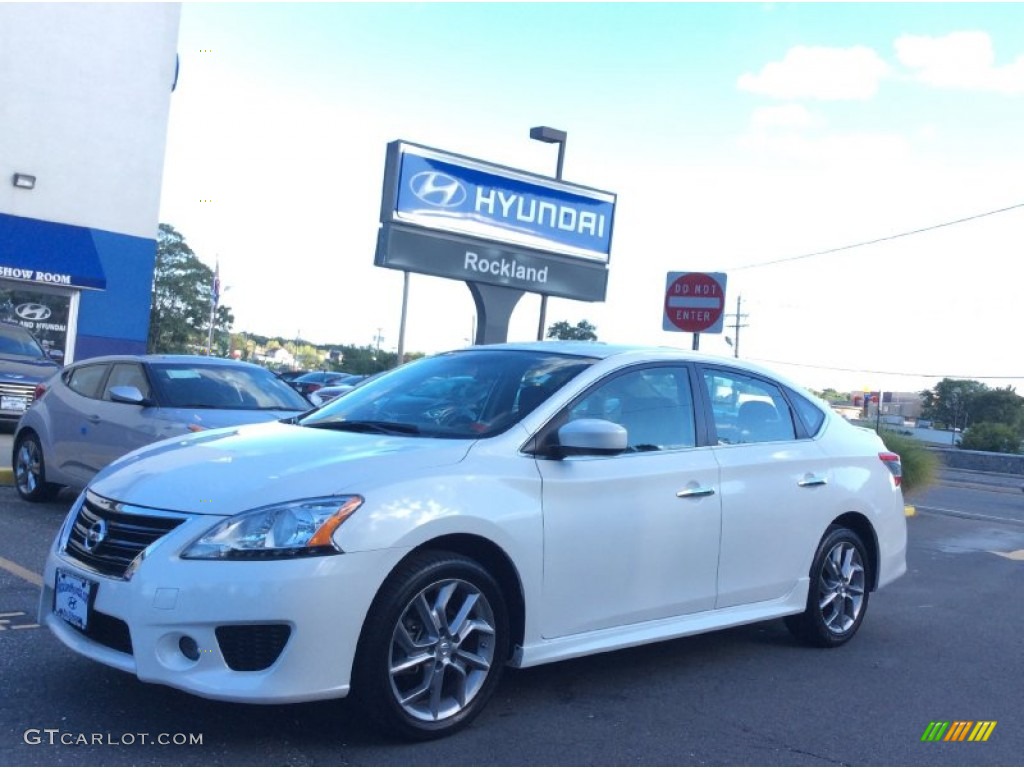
[737,324]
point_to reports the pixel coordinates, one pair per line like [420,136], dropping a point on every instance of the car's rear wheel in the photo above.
[30,470]
[837,598]
[433,646]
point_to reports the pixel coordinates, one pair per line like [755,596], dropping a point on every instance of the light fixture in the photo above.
[24,181]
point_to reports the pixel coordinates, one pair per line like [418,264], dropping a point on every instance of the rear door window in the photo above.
[86,379]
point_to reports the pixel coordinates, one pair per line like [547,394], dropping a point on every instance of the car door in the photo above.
[775,487]
[72,417]
[632,537]
[121,427]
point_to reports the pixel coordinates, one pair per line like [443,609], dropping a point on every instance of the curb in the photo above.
[6,476]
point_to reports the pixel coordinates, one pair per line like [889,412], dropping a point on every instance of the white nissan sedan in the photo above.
[513,504]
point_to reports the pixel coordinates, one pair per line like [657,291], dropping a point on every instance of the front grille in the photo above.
[252,647]
[10,389]
[109,631]
[107,536]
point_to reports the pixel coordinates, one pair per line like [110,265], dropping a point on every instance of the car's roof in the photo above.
[640,352]
[179,359]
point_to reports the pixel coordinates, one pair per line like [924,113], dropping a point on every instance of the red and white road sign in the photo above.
[694,302]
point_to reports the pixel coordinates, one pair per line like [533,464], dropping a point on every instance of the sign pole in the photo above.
[696,342]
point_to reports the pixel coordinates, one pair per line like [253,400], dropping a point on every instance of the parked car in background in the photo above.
[23,365]
[512,504]
[309,383]
[290,374]
[99,409]
[326,394]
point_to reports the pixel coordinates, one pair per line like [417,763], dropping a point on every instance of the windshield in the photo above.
[15,340]
[468,394]
[228,387]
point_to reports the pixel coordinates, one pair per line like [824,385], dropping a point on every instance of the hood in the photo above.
[29,370]
[226,471]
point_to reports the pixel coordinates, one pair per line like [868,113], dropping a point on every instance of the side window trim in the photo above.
[544,437]
[97,393]
[799,428]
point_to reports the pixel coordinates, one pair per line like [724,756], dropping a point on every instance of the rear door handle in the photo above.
[812,480]
[94,419]
[695,492]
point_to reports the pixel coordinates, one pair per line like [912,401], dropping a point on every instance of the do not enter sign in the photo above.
[694,302]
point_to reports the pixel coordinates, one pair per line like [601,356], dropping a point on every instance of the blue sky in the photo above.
[733,135]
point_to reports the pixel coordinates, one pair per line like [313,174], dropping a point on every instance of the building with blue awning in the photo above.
[87,91]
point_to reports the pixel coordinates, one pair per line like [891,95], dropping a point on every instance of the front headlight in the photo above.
[296,529]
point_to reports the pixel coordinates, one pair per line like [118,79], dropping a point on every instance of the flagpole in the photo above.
[214,298]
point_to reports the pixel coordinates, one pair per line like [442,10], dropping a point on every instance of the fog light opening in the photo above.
[189,648]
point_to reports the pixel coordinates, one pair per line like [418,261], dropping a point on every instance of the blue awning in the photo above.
[47,253]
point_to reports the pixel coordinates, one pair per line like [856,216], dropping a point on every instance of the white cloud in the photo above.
[861,151]
[961,60]
[829,74]
[784,116]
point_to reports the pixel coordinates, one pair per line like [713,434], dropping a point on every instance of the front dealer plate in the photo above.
[72,597]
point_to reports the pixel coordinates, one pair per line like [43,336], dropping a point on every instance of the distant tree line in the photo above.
[990,419]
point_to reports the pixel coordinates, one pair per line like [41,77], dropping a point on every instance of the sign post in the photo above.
[694,303]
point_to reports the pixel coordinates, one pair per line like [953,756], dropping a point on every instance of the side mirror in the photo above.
[591,437]
[127,394]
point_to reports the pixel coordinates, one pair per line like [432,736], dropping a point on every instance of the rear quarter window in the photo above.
[810,414]
[85,379]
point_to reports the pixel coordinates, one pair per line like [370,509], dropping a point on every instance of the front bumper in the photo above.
[302,616]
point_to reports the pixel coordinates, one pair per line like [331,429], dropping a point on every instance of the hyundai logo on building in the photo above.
[33,311]
[438,189]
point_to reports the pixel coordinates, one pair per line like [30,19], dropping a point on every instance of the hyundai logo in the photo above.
[32,311]
[437,189]
[95,536]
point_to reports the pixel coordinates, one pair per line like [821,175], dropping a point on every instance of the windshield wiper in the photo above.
[376,427]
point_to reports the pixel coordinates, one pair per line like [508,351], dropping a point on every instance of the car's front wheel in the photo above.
[433,646]
[30,470]
[838,594]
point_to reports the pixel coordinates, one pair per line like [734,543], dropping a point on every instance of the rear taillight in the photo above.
[40,390]
[892,461]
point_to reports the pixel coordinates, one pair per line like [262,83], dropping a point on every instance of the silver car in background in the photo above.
[101,408]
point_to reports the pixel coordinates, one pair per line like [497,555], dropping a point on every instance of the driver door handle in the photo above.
[695,492]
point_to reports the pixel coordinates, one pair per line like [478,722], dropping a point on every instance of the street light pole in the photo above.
[549,136]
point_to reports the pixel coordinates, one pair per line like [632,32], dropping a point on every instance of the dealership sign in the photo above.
[441,191]
[481,222]
[460,258]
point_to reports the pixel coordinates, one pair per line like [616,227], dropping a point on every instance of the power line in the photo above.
[877,240]
[882,373]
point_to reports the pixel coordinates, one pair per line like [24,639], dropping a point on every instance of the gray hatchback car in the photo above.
[100,409]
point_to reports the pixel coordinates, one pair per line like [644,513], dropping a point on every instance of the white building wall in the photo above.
[84,100]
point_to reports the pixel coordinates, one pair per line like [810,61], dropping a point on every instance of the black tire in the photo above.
[30,470]
[837,597]
[437,632]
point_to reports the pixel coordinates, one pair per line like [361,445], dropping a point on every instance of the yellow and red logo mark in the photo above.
[958,730]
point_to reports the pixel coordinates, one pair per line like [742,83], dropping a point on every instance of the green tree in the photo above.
[179,320]
[951,401]
[582,331]
[985,436]
[998,406]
